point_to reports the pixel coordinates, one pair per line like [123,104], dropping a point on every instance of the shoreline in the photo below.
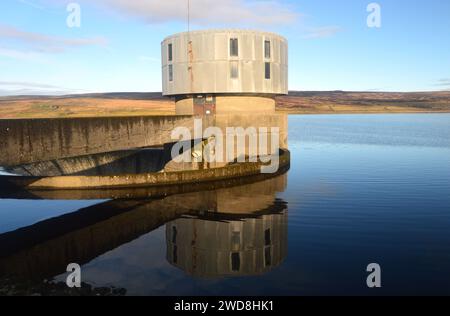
[361,112]
[170,114]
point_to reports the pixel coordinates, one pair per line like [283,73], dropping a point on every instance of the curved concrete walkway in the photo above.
[139,180]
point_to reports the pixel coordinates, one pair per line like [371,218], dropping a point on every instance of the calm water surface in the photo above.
[361,189]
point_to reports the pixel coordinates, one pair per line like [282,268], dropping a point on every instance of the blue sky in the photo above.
[117,47]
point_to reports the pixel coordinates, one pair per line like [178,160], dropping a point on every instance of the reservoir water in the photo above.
[361,189]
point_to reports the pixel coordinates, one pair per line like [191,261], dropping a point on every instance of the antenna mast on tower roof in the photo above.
[190,52]
[189,16]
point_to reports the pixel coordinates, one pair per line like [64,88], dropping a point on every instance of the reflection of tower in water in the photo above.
[209,248]
[206,227]
[243,233]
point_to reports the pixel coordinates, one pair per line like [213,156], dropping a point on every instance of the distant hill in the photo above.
[153,103]
[348,102]
[111,95]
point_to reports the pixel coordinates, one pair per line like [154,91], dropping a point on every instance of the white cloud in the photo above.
[22,84]
[211,12]
[38,92]
[32,4]
[22,55]
[444,82]
[46,43]
[322,32]
[12,88]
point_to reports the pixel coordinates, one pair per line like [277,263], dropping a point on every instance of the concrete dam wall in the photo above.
[28,141]
[49,154]
[32,140]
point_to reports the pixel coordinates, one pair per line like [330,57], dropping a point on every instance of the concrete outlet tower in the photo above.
[222,71]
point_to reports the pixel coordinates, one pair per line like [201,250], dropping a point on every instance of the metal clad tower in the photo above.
[217,71]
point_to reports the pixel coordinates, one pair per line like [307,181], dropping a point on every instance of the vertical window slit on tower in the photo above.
[267,49]
[234,47]
[267,237]
[170,52]
[236,261]
[267,70]
[234,70]
[174,234]
[170,72]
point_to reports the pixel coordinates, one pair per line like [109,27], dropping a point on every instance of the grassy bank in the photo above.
[137,104]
